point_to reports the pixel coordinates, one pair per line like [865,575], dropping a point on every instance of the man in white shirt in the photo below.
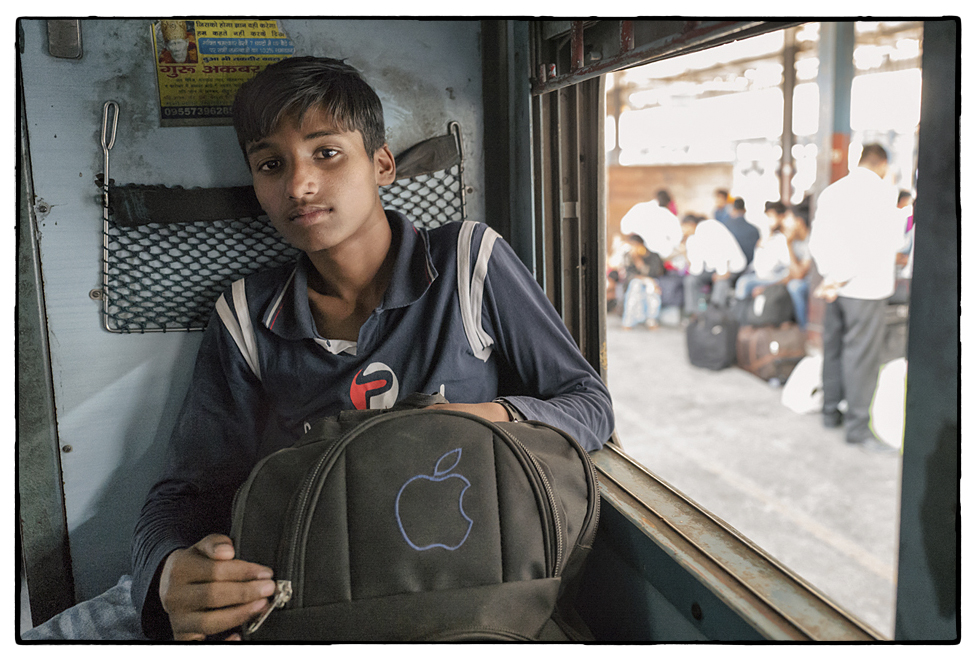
[714,257]
[854,240]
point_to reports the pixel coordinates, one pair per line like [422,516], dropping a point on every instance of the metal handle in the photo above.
[109,109]
[107,142]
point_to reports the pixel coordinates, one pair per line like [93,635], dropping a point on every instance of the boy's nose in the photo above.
[302,182]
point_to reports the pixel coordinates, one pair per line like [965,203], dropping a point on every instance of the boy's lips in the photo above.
[308,215]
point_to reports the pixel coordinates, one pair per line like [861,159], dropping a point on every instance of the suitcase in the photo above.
[771,352]
[420,525]
[711,338]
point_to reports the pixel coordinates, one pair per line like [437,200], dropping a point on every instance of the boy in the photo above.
[373,310]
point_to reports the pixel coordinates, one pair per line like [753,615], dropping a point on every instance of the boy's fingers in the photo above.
[194,625]
[216,547]
[222,595]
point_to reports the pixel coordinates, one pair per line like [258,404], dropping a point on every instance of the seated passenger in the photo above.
[641,304]
[781,257]
[795,227]
[722,205]
[656,224]
[771,262]
[714,258]
[746,233]
[289,345]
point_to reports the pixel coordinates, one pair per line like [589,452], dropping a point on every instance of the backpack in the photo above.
[410,524]
[773,306]
[711,338]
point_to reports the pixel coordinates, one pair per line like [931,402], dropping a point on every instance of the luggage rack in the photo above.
[169,252]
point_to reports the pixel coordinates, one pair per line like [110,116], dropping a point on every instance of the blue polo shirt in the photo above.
[461,316]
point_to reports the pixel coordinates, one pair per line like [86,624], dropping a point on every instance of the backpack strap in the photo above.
[240,327]
[470,285]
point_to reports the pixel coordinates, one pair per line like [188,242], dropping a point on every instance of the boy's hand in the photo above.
[493,412]
[205,591]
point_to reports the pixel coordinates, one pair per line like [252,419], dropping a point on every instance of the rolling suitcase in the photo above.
[771,352]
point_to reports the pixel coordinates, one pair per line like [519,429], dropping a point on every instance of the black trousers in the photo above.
[853,340]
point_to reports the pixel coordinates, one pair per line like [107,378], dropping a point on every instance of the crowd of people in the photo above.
[861,243]
[662,260]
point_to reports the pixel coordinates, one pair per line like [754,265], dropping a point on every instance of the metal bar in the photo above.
[786,168]
[626,36]
[109,109]
[929,563]
[569,223]
[555,211]
[43,542]
[776,602]
[578,45]
[596,252]
[540,186]
[703,36]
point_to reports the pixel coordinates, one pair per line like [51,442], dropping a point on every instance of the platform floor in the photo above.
[826,510]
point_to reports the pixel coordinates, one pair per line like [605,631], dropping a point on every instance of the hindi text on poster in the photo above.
[201,63]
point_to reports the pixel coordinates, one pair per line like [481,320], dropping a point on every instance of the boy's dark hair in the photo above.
[298,84]
[739,204]
[777,207]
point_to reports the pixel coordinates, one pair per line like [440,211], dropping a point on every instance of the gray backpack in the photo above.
[420,525]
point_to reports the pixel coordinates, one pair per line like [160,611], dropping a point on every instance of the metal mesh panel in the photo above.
[429,200]
[166,277]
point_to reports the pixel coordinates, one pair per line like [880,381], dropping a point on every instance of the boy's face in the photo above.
[316,182]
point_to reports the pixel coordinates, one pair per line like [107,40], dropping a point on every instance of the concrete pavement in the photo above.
[824,509]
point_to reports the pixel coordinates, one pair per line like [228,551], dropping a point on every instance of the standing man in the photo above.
[854,241]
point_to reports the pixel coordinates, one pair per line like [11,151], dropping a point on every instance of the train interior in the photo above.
[503,121]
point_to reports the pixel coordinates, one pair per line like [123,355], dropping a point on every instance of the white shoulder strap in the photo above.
[470,287]
[240,327]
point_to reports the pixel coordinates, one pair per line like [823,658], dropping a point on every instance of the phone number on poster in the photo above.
[196,111]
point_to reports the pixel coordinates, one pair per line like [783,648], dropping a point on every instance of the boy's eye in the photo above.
[327,153]
[268,165]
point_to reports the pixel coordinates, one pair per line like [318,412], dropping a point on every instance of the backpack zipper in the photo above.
[550,494]
[282,594]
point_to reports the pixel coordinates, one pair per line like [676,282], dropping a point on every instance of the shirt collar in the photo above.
[289,314]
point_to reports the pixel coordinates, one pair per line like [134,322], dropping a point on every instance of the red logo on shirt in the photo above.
[375,386]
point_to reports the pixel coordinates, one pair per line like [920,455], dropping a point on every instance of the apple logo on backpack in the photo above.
[430,508]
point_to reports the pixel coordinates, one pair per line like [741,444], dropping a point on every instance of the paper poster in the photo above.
[201,63]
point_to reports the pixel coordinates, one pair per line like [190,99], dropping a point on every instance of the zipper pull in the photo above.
[282,595]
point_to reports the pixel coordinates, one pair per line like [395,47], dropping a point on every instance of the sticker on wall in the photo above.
[201,63]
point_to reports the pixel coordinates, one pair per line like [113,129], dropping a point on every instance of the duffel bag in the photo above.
[771,352]
[420,525]
[711,337]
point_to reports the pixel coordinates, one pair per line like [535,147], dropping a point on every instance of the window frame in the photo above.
[569,204]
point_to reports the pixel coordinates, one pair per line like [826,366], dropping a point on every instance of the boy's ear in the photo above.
[385,166]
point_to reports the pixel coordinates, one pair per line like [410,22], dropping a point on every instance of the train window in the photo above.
[749,445]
